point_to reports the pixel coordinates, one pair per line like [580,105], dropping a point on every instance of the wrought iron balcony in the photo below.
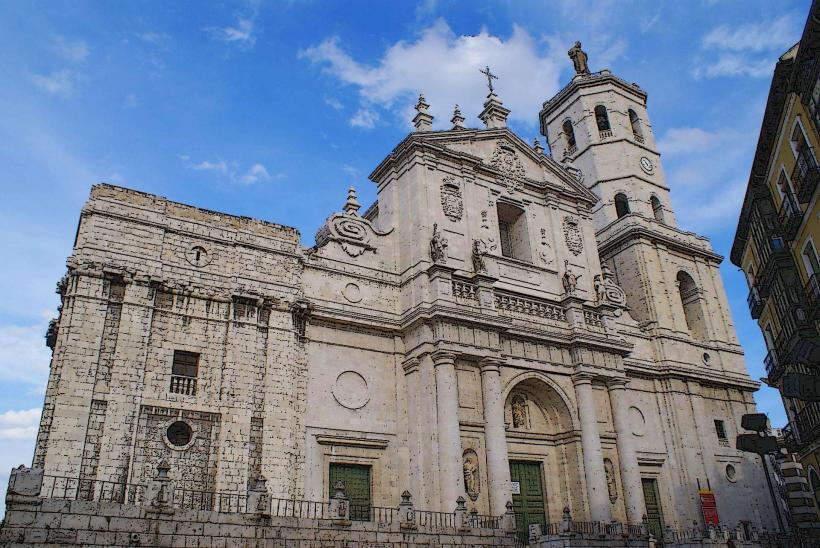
[774,369]
[790,216]
[755,303]
[807,423]
[790,439]
[805,176]
[798,341]
[813,296]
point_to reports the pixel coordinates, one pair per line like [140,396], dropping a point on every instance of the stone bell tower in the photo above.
[598,127]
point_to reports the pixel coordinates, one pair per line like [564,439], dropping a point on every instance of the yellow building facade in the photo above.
[777,245]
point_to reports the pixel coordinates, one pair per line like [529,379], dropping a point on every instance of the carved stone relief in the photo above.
[451,200]
[352,293]
[520,412]
[506,161]
[606,290]
[438,246]
[611,483]
[472,479]
[573,236]
[479,249]
[544,253]
[570,279]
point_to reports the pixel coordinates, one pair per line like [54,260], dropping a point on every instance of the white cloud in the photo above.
[749,50]
[763,36]
[334,103]
[155,38]
[257,172]
[74,51]
[230,170]
[60,82]
[445,68]
[364,118]
[24,356]
[242,33]
[686,140]
[18,425]
[351,170]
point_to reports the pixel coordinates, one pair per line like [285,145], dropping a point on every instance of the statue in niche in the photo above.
[611,484]
[472,481]
[520,412]
[479,249]
[579,59]
[570,279]
[438,246]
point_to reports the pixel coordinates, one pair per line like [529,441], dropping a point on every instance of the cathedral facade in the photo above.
[500,325]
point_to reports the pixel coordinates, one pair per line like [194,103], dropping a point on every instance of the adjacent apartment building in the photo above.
[777,243]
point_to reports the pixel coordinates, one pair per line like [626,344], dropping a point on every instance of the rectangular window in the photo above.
[184,371]
[720,428]
[512,232]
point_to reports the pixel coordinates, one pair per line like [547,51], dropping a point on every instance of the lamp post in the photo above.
[761,444]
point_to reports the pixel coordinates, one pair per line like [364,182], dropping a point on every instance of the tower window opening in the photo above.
[513,233]
[569,135]
[690,298]
[602,119]
[657,208]
[635,122]
[621,204]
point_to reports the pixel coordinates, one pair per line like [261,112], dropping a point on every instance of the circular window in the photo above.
[731,473]
[179,434]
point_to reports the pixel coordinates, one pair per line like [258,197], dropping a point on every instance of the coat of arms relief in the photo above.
[506,161]
[451,200]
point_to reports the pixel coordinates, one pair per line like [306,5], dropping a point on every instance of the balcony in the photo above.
[805,176]
[605,133]
[755,303]
[813,296]
[774,255]
[638,138]
[774,369]
[798,341]
[790,216]
[183,385]
[807,423]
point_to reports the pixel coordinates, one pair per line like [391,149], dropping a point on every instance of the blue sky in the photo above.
[272,109]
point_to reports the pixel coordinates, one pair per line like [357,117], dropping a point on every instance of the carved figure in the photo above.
[472,482]
[611,484]
[600,289]
[520,413]
[543,255]
[479,249]
[570,279]
[579,59]
[438,246]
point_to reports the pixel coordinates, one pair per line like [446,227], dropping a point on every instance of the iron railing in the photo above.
[790,216]
[805,176]
[755,303]
[813,295]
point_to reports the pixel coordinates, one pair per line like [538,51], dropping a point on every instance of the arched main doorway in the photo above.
[544,450]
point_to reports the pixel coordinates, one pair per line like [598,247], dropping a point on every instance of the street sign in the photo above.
[515,487]
[757,422]
[755,443]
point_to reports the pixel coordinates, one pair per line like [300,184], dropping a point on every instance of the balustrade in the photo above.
[183,385]
[512,305]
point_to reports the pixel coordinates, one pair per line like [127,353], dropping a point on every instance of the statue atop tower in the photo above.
[579,59]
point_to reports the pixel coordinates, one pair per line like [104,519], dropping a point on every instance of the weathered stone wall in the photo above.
[51,522]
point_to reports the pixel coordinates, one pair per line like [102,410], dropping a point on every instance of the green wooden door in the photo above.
[529,505]
[356,478]
[653,508]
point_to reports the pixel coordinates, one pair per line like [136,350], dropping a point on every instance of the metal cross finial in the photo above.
[490,77]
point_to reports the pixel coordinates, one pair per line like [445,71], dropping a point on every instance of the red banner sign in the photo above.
[708,507]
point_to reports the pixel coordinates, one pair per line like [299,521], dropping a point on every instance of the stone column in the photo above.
[597,493]
[451,472]
[628,459]
[495,438]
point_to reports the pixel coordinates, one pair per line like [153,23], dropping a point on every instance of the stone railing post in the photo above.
[407,514]
[258,499]
[508,519]
[486,295]
[668,535]
[160,492]
[535,532]
[462,521]
[566,522]
[645,527]
[340,506]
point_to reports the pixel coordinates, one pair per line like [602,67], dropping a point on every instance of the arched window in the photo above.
[657,208]
[621,205]
[569,134]
[814,484]
[692,309]
[601,118]
[637,132]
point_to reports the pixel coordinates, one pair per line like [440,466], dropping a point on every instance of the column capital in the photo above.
[617,383]
[410,365]
[490,364]
[582,378]
[443,357]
